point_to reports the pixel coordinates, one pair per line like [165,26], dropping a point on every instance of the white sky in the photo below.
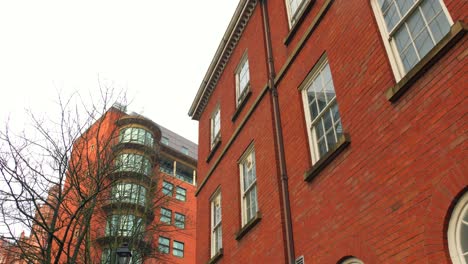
[158,50]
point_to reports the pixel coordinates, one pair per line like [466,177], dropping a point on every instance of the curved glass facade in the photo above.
[136,135]
[133,162]
[124,225]
[129,193]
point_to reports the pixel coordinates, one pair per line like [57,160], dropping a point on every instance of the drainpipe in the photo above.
[278,136]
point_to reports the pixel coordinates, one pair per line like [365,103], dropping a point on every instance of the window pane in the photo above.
[166,165]
[167,188]
[404,6]
[439,27]
[181,194]
[391,17]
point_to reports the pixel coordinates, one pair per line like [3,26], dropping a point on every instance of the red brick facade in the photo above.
[387,196]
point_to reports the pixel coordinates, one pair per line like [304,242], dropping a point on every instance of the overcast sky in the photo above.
[158,51]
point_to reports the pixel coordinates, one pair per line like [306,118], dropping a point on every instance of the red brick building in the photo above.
[143,176]
[335,132]
[152,194]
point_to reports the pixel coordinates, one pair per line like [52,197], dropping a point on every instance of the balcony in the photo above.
[139,120]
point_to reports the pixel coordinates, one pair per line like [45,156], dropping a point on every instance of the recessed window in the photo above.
[294,8]
[178,249]
[410,29]
[129,193]
[215,127]
[166,165]
[457,234]
[167,188]
[163,245]
[136,135]
[248,180]
[242,79]
[179,220]
[216,231]
[166,216]
[181,194]
[321,111]
[184,172]
[165,141]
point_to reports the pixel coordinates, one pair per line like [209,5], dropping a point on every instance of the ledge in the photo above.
[457,31]
[213,150]
[322,163]
[216,257]
[241,105]
[247,227]
[302,42]
[151,152]
[296,25]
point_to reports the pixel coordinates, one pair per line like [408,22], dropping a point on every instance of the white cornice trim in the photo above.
[230,39]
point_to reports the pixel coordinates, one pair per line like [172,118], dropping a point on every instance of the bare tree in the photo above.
[55,180]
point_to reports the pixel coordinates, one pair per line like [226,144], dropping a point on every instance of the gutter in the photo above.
[278,137]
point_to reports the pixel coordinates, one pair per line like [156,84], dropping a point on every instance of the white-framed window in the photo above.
[294,8]
[178,249]
[457,233]
[352,261]
[166,216]
[215,127]
[216,230]
[242,79]
[179,220]
[163,245]
[248,179]
[321,110]
[410,29]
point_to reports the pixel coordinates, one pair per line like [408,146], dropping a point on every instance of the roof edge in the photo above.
[229,41]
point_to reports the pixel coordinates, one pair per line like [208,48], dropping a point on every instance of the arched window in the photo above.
[352,260]
[458,232]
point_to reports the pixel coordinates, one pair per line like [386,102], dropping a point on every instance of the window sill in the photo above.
[322,163]
[457,31]
[216,257]
[241,105]
[213,149]
[247,227]
[295,26]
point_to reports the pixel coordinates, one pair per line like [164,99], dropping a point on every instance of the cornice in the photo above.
[229,42]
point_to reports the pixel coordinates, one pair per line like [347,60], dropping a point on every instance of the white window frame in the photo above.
[313,142]
[453,232]
[215,134]
[216,245]
[352,261]
[293,16]
[250,152]
[394,57]
[241,92]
